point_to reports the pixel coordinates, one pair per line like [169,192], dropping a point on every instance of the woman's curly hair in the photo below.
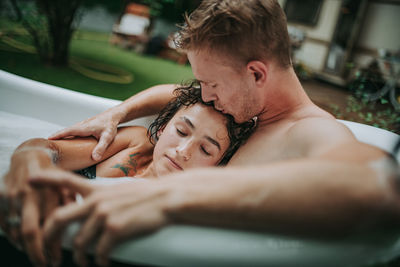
[188,95]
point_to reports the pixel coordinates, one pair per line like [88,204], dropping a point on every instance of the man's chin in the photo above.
[239,119]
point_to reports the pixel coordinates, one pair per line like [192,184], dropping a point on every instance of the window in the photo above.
[303,11]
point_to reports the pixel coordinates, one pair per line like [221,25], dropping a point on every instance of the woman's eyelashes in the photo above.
[181,132]
[205,151]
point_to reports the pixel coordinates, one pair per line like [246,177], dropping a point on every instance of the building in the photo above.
[339,34]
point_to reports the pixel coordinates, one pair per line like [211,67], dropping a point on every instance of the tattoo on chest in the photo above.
[127,167]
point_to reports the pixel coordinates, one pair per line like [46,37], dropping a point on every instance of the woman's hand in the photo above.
[103,127]
[109,214]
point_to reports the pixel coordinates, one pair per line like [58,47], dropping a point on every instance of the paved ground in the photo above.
[335,100]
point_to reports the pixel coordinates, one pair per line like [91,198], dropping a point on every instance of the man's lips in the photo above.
[173,163]
[219,109]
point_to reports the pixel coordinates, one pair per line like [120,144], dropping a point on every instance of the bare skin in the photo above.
[196,136]
[37,157]
[104,127]
[301,171]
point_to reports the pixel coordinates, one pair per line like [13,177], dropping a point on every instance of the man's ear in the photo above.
[258,70]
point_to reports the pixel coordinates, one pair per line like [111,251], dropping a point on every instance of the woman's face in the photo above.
[195,137]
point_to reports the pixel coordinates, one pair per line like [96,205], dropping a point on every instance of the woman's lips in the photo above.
[174,164]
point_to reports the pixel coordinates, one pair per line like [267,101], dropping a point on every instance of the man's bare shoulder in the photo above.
[329,138]
[320,127]
[318,133]
[297,137]
[311,133]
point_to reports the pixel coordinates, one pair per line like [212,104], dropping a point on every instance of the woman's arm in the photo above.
[104,126]
[74,154]
[29,206]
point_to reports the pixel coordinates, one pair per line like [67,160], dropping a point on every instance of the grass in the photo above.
[146,71]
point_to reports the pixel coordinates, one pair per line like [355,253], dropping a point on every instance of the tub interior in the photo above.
[31,109]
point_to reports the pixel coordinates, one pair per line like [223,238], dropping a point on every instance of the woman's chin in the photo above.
[164,171]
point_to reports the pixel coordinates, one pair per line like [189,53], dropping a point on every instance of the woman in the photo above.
[188,133]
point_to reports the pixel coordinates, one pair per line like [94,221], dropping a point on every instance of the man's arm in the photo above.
[339,184]
[299,196]
[104,126]
[147,102]
[312,196]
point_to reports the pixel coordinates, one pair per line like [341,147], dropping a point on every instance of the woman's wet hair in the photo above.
[188,95]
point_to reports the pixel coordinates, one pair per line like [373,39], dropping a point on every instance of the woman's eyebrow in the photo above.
[188,122]
[213,141]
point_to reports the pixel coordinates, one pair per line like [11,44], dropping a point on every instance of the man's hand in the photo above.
[109,214]
[24,209]
[103,127]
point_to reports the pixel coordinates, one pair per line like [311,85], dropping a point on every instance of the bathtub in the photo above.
[33,109]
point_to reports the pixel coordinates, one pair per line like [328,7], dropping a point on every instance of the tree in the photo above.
[50,24]
[170,10]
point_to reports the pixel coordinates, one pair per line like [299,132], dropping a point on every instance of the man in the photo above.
[300,172]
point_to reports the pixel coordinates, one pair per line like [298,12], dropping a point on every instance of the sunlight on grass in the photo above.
[146,71]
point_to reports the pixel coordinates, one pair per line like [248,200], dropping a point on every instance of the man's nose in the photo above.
[207,94]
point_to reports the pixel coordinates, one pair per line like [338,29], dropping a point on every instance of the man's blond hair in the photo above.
[244,30]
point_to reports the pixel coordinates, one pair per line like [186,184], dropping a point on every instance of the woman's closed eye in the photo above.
[205,151]
[181,132]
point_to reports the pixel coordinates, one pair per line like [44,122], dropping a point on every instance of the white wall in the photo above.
[326,22]
[381,30]
[313,53]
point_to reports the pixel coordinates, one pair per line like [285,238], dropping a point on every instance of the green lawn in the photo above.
[146,70]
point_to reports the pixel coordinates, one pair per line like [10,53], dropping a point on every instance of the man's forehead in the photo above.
[208,70]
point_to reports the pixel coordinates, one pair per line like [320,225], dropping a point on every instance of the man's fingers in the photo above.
[34,249]
[54,252]
[61,217]
[71,131]
[105,139]
[106,243]
[86,235]
[31,232]
[64,179]
[3,210]
[13,220]
[52,201]
[67,196]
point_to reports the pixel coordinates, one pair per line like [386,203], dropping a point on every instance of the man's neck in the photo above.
[283,97]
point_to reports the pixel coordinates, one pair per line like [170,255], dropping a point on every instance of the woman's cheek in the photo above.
[167,139]
[203,161]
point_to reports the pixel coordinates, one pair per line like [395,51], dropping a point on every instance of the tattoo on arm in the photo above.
[128,166]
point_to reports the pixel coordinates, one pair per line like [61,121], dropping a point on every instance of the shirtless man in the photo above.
[301,171]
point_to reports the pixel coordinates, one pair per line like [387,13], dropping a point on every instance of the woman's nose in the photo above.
[184,150]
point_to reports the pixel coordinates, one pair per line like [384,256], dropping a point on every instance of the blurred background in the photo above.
[345,52]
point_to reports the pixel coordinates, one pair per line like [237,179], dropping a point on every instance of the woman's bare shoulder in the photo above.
[135,135]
